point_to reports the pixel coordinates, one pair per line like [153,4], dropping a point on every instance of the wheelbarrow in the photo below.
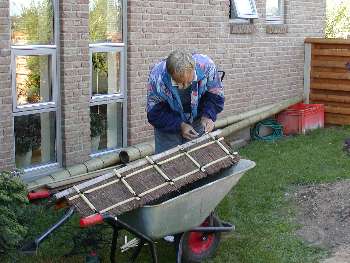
[188,216]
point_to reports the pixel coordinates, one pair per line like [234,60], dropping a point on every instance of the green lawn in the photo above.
[259,205]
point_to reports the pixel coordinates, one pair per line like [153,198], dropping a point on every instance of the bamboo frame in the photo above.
[85,199]
[155,165]
[136,164]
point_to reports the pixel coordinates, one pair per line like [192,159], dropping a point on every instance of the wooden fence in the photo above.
[327,77]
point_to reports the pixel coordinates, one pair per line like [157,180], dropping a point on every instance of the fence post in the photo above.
[307,72]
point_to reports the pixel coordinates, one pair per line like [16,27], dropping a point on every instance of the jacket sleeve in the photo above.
[159,113]
[212,101]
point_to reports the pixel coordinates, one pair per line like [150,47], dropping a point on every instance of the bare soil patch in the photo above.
[324,213]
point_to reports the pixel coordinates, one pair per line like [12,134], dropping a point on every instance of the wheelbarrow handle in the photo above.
[38,195]
[91,220]
[33,246]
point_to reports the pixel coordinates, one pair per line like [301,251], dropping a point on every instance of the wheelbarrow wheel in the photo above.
[198,246]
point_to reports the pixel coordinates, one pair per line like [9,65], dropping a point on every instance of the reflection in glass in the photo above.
[35,139]
[32,22]
[33,79]
[245,7]
[105,21]
[106,125]
[105,73]
[273,8]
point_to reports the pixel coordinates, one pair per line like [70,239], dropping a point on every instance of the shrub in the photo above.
[27,133]
[96,124]
[13,200]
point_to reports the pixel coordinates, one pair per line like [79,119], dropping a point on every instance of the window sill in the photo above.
[242,28]
[276,29]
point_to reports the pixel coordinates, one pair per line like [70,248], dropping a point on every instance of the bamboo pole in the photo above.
[78,172]
[238,117]
[137,151]
[263,115]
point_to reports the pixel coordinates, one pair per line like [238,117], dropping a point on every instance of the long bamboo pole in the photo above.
[258,117]
[135,152]
[242,120]
[221,123]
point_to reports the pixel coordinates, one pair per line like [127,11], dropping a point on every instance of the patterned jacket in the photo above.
[164,107]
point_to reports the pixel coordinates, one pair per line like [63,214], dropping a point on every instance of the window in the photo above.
[243,9]
[107,32]
[35,89]
[275,11]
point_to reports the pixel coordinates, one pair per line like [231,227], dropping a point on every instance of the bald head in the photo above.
[180,65]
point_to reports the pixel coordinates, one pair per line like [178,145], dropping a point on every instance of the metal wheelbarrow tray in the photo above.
[187,210]
[180,215]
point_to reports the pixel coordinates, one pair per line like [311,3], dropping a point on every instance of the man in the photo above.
[184,96]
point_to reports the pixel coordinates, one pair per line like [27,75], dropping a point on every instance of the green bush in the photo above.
[13,200]
[96,124]
[27,133]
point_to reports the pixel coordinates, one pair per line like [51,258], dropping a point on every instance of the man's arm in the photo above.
[164,119]
[212,101]
[159,113]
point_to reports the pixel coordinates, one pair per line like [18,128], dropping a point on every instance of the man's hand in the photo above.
[188,132]
[208,124]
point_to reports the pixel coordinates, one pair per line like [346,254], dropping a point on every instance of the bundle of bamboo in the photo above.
[151,178]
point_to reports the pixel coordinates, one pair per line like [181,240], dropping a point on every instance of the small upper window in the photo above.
[275,11]
[105,21]
[243,9]
[32,22]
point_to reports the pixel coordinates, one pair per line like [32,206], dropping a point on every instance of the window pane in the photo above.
[105,21]
[245,7]
[106,127]
[273,8]
[35,139]
[105,73]
[33,79]
[32,21]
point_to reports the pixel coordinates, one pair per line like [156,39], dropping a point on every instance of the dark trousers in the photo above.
[165,141]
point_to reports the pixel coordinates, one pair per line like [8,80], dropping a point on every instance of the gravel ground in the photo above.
[325,218]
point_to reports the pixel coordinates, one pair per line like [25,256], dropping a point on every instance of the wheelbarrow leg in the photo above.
[137,250]
[153,251]
[119,224]
[114,243]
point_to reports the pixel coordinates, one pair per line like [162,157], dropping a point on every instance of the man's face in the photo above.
[184,80]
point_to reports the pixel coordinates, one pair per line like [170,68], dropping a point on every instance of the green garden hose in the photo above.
[277,130]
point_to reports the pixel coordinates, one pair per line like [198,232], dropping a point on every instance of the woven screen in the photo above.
[142,182]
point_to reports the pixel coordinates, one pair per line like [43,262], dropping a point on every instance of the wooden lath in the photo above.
[327,77]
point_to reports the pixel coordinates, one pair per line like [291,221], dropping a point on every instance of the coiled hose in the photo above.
[277,130]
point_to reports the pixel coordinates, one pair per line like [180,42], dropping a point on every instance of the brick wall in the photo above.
[74,71]
[261,68]
[6,126]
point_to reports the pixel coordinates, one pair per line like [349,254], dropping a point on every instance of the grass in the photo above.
[259,205]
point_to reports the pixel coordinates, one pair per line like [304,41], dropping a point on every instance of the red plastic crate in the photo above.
[301,117]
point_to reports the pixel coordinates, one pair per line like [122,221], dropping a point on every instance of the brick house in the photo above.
[89,60]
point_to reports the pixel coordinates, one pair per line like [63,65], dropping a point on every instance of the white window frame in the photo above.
[39,170]
[120,97]
[237,13]
[120,48]
[34,51]
[277,19]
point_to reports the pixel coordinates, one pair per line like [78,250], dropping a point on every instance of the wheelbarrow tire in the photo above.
[198,246]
